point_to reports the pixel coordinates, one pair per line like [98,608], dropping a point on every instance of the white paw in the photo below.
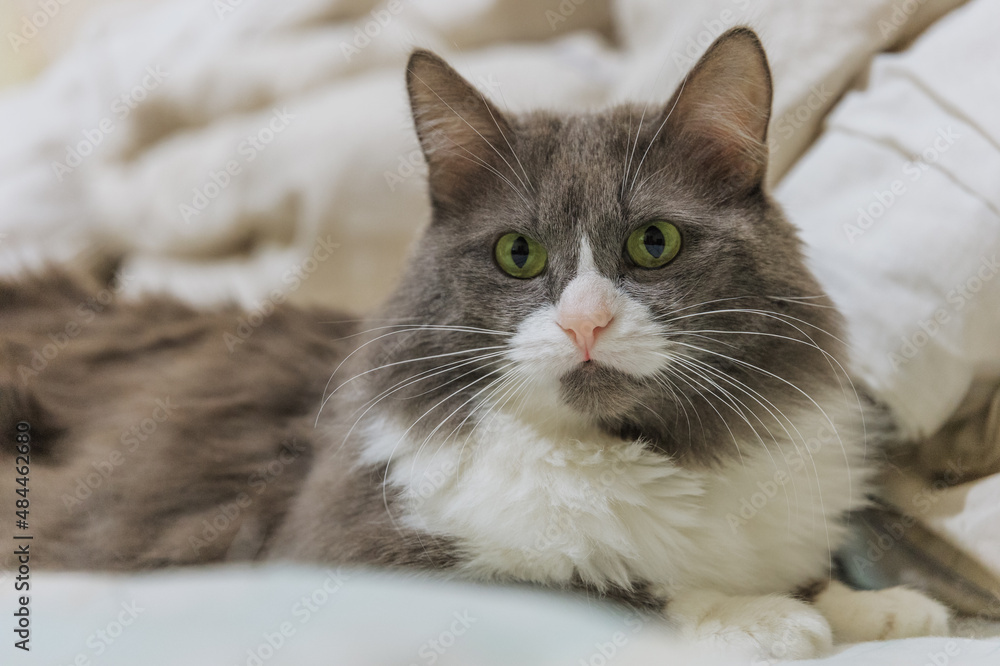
[897,612]
[769,627]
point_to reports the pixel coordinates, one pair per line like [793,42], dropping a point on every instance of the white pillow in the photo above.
[899,205]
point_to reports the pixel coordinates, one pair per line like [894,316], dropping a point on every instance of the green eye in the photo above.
[520,256]
[654,244]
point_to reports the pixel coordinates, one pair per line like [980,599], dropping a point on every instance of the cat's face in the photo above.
[603,268]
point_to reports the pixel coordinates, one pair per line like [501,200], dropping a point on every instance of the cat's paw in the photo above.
[767,627]
[897,612]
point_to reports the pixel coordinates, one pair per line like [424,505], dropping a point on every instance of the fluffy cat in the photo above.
[606,367]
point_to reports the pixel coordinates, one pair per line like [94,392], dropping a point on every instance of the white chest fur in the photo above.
[545,506]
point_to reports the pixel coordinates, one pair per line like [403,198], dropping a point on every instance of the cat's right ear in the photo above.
[465,139]
[719,114]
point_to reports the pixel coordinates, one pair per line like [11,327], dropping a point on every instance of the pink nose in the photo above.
[583,327]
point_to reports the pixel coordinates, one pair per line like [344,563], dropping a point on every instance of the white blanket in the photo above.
[301,616]
[900,207]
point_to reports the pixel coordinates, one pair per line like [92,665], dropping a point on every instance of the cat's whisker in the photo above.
[645,180]
[457,328]
[395,363]
[780,316]
[403,436]
[506,385]
[777,414]
[408,383]
[638,132]
[502,380]
[710,302]
[507,379]
[701,335]
[496,408]
[433,372]
[527,180]
[728,399]
[757,397]
[747,389]
[675,401]
[819,489]
[822,411]
[459,408]
[484,401]
[680,91]
[365,319]
[499,355]
[462,118]
[406,328]
[653,412]
[783,318]
[801,300]
[734,403]
[676,371]
[665,381]
[489,167]
[831,360]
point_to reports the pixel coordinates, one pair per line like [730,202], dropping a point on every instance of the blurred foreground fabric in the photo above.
[301,616]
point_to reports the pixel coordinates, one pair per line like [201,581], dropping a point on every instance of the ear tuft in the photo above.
[465,139]
[721,110]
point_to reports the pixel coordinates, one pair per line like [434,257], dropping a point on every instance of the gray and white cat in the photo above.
[606,367]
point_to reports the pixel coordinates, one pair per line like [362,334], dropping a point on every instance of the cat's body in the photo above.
[606,366]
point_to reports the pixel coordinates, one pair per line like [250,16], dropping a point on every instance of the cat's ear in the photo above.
[719,114]
[465,139]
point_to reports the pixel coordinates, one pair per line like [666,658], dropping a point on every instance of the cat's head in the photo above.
[621,268]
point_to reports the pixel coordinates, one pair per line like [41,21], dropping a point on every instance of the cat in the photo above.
[606,367]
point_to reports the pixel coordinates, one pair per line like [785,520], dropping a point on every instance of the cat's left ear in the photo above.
[465,139]
[719,115]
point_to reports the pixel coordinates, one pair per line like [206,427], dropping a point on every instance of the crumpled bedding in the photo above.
[304,616]
[227,149]
[127,139]
[899,203]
